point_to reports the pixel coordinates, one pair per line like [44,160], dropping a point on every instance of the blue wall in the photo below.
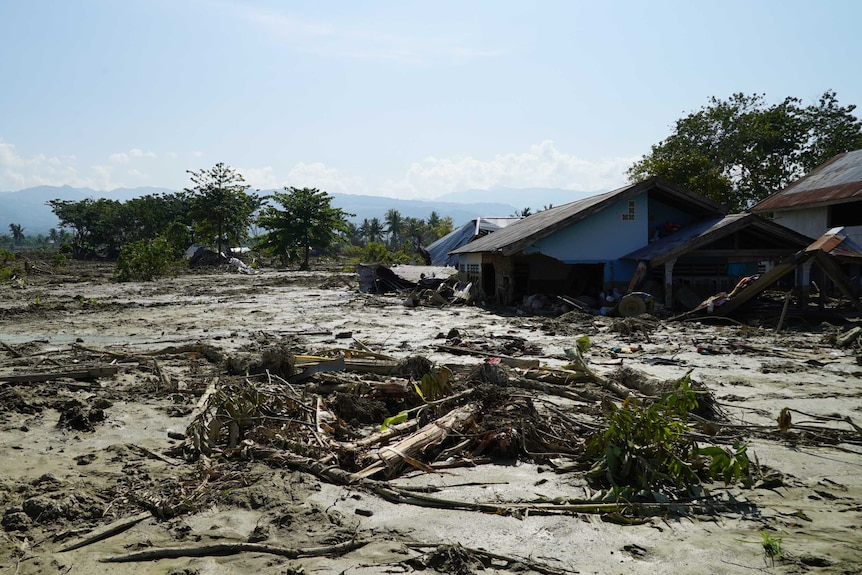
[606,236]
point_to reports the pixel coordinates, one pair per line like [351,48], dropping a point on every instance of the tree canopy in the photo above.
[221,208]
[740,150]
[302,219]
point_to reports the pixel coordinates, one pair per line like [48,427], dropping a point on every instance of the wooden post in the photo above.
[668,283]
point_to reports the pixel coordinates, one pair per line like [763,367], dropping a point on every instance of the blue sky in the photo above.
[397,98]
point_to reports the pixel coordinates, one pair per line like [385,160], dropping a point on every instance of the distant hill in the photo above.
[29,207]
[534,198]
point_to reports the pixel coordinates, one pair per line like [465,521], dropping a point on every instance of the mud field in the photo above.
[93,463]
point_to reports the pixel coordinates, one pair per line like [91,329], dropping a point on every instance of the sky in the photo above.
[395,98]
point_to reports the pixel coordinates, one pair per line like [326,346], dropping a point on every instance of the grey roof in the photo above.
[699,234]
[837,181]
[521,234]
[439,250]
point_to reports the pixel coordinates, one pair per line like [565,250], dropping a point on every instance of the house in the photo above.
[438,251]
[828,197]
[653,234]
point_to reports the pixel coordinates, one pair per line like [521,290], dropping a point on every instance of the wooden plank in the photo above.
[88,373]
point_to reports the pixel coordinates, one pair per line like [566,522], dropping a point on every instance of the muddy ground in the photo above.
[79,454]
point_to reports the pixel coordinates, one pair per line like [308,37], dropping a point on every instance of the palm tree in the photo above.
[53,236]
[394,225]
[372,230]
[17,233]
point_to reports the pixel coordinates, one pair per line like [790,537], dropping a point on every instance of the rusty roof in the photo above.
[837,181]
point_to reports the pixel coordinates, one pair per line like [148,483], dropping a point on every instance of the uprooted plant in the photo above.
[647,452]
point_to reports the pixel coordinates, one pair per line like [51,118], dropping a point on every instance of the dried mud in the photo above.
[78,455]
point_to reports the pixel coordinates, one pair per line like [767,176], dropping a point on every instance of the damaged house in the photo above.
[825,202]
[653,236]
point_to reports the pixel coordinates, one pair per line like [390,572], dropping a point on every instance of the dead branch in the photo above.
[488,556]
[106,531]
[221,549]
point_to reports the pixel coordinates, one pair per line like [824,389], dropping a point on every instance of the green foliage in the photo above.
[221,210]
[740,150]
[399,417]
[646,450]
[771,546]
[59,260]
[144,261]
[375,252]
[96,225]
[8,267]
[307,220]
[435,384]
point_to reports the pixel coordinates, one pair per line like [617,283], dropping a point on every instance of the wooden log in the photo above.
[391,458]
[86,373]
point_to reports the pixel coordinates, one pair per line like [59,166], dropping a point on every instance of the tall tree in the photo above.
[17,232]
[372,230]
[394,226]
[302,219]
[220,206]
[740,150]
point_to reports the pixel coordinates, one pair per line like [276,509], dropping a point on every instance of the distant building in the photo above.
[474,229]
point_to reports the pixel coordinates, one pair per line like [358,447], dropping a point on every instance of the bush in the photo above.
[144,261]
[649,450]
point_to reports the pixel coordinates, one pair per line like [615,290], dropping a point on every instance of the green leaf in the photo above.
[395,419]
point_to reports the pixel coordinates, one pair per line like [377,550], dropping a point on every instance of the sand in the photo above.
[58,484]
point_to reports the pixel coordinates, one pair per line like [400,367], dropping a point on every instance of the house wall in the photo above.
[605,236]
[812,222]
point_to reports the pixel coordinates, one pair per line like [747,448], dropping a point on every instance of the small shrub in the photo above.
[647,450]
[144,261]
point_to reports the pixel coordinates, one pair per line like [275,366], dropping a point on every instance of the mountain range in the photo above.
[28,207]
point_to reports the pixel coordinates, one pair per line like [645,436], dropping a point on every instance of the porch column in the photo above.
[805,284]
[668,283]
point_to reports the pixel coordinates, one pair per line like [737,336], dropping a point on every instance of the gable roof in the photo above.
[699,234]
[439,250]
[837,181]
[521,234]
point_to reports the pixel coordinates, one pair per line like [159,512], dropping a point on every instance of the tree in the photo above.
[220,208]
[17,233]
[740,150]
[372,230]
[522,213]
[394,226]
[415,231]
[307,220]
[95,224]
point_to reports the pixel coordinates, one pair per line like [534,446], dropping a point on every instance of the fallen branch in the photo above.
[221,549]
[488,556]
[106,531]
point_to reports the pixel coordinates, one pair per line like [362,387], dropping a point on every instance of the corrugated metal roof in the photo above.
[694,236]
[439,250]
[838,180]
[521,234]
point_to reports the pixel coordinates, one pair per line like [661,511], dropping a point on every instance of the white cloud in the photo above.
[327,39]
[18,171]
[542,166]
[125,157]
[136,153]
[302,175]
